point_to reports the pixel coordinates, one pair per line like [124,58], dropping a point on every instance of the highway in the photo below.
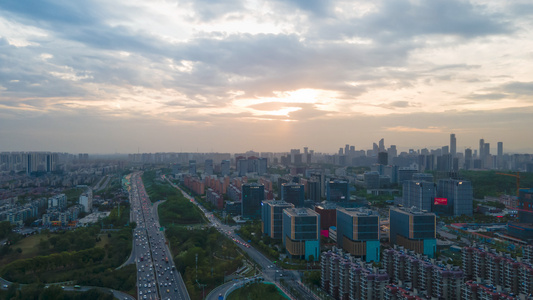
[270,271]
[157,277]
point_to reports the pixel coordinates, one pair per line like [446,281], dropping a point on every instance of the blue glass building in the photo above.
[358,232]
[301,233]
[338,191]
[413,229]
[271,217]
[293,193]
[252,196]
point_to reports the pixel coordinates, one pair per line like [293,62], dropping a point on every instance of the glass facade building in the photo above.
[358,232]
[293,193]
[301,232]
[271,217]
[252,196]
[338,191]
[414,230]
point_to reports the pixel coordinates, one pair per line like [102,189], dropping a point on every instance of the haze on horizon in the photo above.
[230,76]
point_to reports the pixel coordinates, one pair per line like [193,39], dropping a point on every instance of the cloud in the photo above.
[224,65]
[417,130]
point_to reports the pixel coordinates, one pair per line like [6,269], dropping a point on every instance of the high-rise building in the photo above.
[453,145]
[455,198]
[293,193]
[86,200]
[252,196]
[313,190]
[419,194]
[50,163]
[500,155]
[468,159]
[301,233]
[225,167]
[414,230]
[262,166]
[208,167]
[272,217]
[381,145]
[358,232]
[525,206]
[338,191]
[383,158]
[192,167]
[481,148]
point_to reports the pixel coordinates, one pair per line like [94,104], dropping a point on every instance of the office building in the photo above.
[252,196]
[262,166]
[383,158]
[192,167]
[301,233]
[225,167]
[313,191]
[272,218]
[338,191]
[456,196]
[525,206]
[500,163]
[208,167]
[358,232]
[413,229]
[468,159]
[293,193]
[481,149]
[420,194]
[453,145]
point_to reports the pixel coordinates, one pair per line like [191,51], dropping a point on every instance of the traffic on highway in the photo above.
[157,277]
[271,271]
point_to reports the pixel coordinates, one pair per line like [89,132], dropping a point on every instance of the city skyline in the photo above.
[193,76]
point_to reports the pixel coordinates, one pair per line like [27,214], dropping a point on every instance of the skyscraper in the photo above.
[453,145]
[500,155]
[381,145]
[338,190]
[224,167]
[457,197]
[293,193]
[481,148]
[208,167]
[252,196]
[419,194]
[192,167]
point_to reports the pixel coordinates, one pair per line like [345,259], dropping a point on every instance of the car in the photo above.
[168,291]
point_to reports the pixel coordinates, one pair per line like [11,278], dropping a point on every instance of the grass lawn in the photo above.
[29,246]
[257,291]
[103,240]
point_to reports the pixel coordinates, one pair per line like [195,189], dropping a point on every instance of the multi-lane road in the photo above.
[270,271]
[157,277]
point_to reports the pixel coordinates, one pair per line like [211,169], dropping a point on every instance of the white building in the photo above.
[86,199]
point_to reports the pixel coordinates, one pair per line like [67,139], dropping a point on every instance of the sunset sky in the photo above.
[230,75]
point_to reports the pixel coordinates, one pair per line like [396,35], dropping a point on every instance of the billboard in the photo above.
[440,201]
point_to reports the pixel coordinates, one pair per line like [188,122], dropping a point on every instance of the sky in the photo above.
[230,75]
